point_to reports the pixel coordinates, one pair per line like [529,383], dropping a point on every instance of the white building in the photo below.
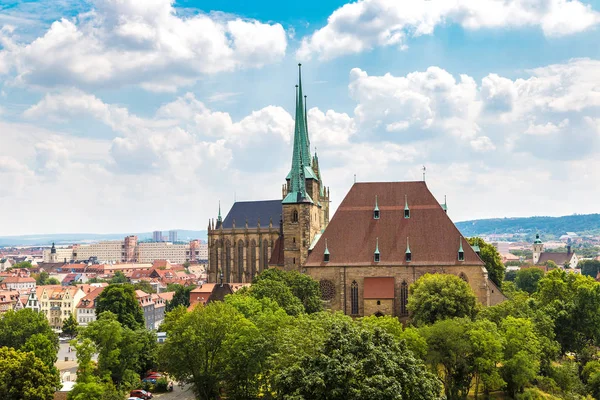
[19,283]
[106,251]
[175,253]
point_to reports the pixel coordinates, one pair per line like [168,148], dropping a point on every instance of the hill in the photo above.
[584,224]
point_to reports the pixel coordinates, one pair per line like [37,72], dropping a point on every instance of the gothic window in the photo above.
[403,299]
[227,261]
[354,298]
[295,216]
[252,259]
[240,261]
[265,255]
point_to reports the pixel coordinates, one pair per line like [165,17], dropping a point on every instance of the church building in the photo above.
[382,238]
[273,233]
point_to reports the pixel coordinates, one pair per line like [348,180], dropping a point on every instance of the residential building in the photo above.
[86,308]
[19,283]
[175,253]
[145,301]
[58,302]
[172,236]
[106,251]
[56,255]
[157,236]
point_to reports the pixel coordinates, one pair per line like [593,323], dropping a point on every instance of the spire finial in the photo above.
[424,170]
[377,245]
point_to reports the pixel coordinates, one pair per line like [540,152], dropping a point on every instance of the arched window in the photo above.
[252,259]
[404,299]
[227,262]
[265,255]
[354,298]
[295,216]
[240,261]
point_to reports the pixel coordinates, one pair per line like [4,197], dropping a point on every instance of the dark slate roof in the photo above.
[253,210]
[352,233]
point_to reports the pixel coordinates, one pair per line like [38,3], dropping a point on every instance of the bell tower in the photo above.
[538,247]
[305,202]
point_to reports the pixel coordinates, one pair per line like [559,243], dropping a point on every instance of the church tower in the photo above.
[538,247]
[305,204]
[53,255]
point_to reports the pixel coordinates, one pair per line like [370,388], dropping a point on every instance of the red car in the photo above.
[142,394]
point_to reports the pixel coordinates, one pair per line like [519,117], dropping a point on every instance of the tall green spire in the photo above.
[301,162]
[301,141]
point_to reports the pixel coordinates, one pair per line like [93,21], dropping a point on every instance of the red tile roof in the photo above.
[277,256]
[352,232]
[379,288]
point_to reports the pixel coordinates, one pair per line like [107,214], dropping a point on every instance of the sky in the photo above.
[130,116]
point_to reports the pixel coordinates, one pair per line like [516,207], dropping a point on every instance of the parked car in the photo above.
[142,394]
[150,380]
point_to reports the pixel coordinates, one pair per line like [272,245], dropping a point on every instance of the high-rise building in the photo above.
[172,236]
[157,236]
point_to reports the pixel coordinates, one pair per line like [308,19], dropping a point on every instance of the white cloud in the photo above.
[145,43]
[546,129]
[365,24]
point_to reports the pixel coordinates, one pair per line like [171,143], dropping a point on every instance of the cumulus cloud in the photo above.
[365,24]
[145,43]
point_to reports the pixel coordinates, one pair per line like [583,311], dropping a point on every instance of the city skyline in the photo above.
[123,116]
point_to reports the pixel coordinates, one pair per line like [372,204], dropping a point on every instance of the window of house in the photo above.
[354,298]
[295,216]
[376,214]
[461,256]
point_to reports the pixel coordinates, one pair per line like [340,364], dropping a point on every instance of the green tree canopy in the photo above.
[490,256]
[119,277]
[121,301]
[203,333]
[527,279]
[70,326]
[305,288]
[181,296]
[29,330]
[435,297]
[589,267]
[521,354]
[279,292]
[22,264]
[144,286]
[355,363]
[24,376]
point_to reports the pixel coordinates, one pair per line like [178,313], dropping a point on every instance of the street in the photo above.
[176,394]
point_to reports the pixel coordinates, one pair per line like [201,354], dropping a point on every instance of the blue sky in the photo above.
[123,116]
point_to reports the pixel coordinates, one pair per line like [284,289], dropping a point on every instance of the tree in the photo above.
[27,329]
[278,291]
[181,296]
[355,363]
[486,345]
[70,326]
[23,264]
[521,354]
[118,277]
[52,281]
[306,289]
[24,376]
[527,279]
[202,332]
[550,265]
[490,256]
[144,286]
[589,267]
[438,296]
[510,276]
[121,301]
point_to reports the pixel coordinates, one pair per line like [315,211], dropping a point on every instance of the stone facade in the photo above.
[344,277]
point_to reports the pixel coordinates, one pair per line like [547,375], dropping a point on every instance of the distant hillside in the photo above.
[74,238]
[585,224]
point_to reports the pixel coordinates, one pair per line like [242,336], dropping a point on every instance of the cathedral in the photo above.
[256,235]
[383,237]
